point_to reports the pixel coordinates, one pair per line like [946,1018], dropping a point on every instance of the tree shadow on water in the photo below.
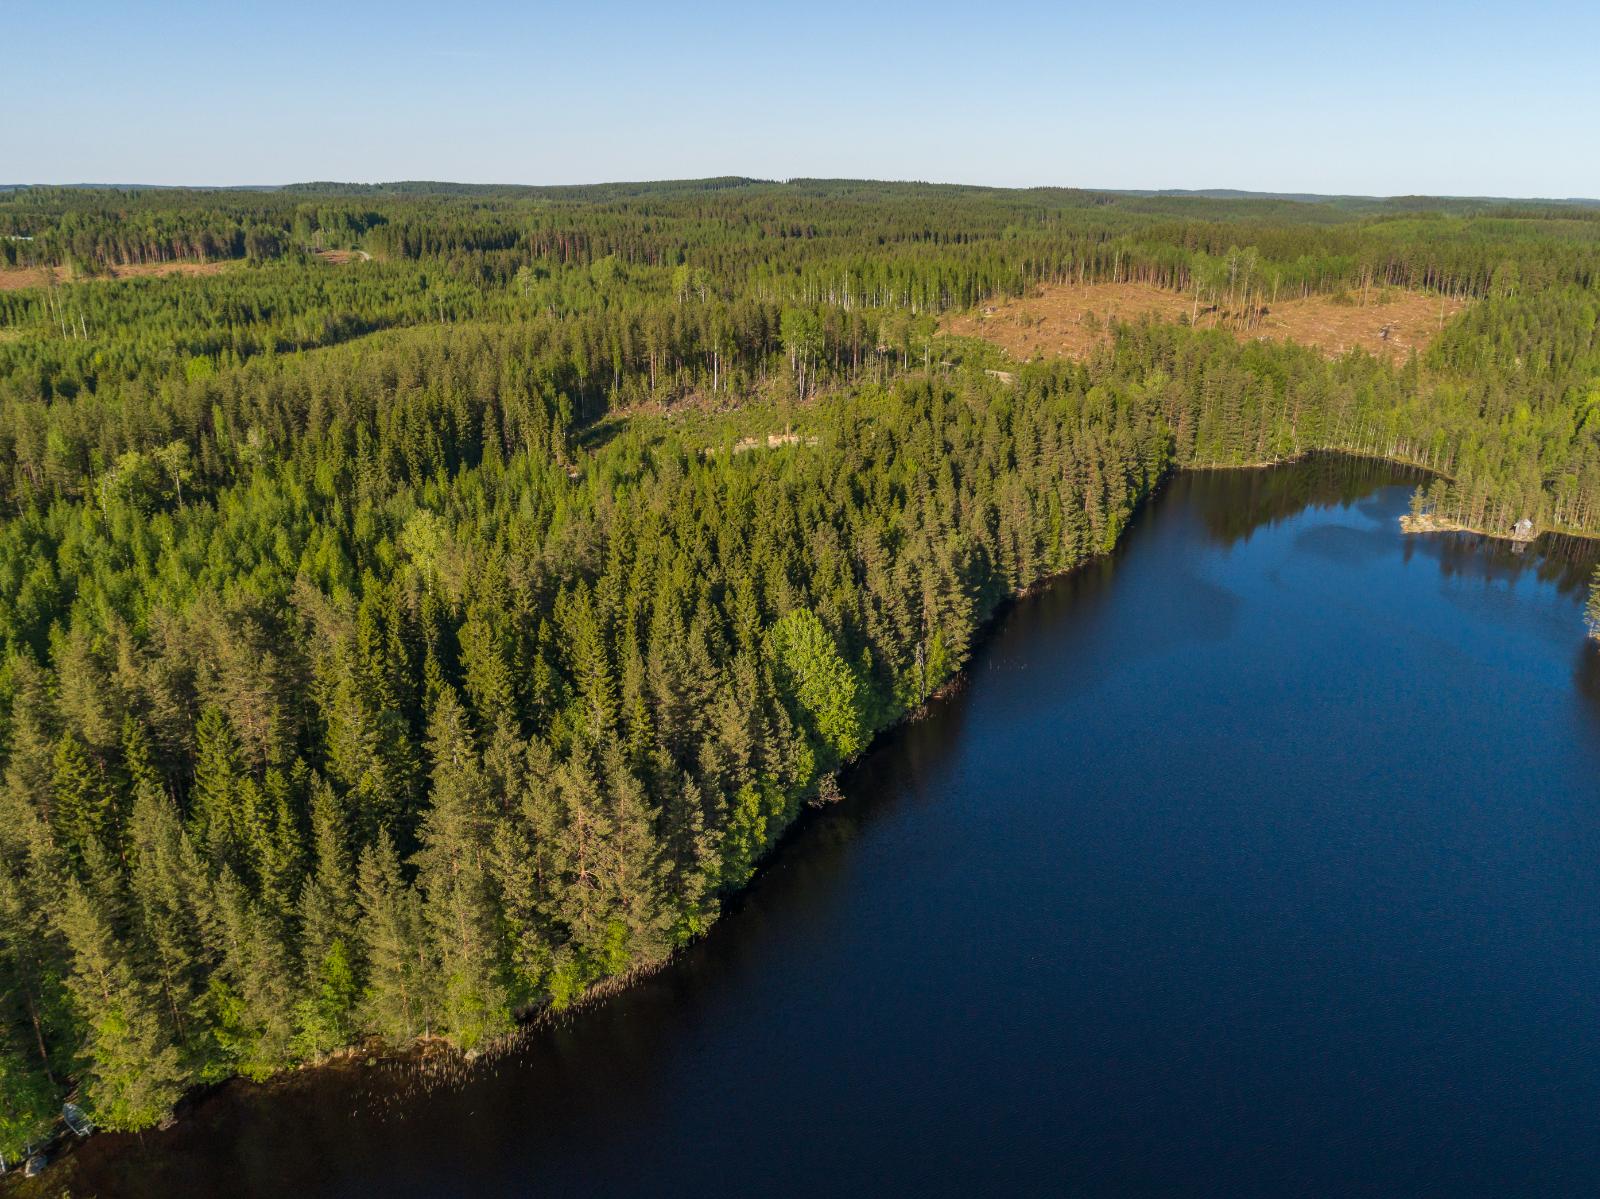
[1233,504]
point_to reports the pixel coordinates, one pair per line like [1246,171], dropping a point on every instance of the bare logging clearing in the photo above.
[1073,319]
[43,276]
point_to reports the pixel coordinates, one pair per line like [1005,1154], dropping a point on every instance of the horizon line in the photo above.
[1219,192]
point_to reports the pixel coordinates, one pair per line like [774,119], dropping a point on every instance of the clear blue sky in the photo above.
[1379,98]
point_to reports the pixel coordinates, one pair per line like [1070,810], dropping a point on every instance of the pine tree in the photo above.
[398,999]
[138,759]
[272,840]
[590,665]
[578,848]
[83,803]
[33,741]
[131,1065]
[631,873]
[29,1103]
[329,964]
[251,996]
[452,874]
[169,890]
[215,799]
[34,961]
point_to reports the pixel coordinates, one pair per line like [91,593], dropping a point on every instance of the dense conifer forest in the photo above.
[397,644]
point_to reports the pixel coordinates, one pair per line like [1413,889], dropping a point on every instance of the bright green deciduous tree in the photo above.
[819,681]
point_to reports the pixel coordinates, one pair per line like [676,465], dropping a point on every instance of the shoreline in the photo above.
[1416,523]
[1428,523]
[438,1063]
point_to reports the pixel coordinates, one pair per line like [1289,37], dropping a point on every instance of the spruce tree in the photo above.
[215,799]
[459,903]
[131,1065]
[398,998]
[83,803]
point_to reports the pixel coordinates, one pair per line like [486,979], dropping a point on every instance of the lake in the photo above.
[1260,858]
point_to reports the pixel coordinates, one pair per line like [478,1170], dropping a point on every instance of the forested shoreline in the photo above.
[397,647]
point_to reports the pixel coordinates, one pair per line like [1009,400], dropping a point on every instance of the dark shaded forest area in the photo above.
[395,647]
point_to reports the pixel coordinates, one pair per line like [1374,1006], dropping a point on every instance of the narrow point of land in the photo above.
[1521,532]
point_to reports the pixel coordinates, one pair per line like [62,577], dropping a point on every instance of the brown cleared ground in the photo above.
[1071,321]
[42,276]
[344,257]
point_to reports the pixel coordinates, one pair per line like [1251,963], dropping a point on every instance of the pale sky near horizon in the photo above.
[1360,97]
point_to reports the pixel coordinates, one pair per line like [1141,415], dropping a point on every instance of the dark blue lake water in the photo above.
[1262,858]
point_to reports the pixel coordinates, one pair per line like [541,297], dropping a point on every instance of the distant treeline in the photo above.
[932,246]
